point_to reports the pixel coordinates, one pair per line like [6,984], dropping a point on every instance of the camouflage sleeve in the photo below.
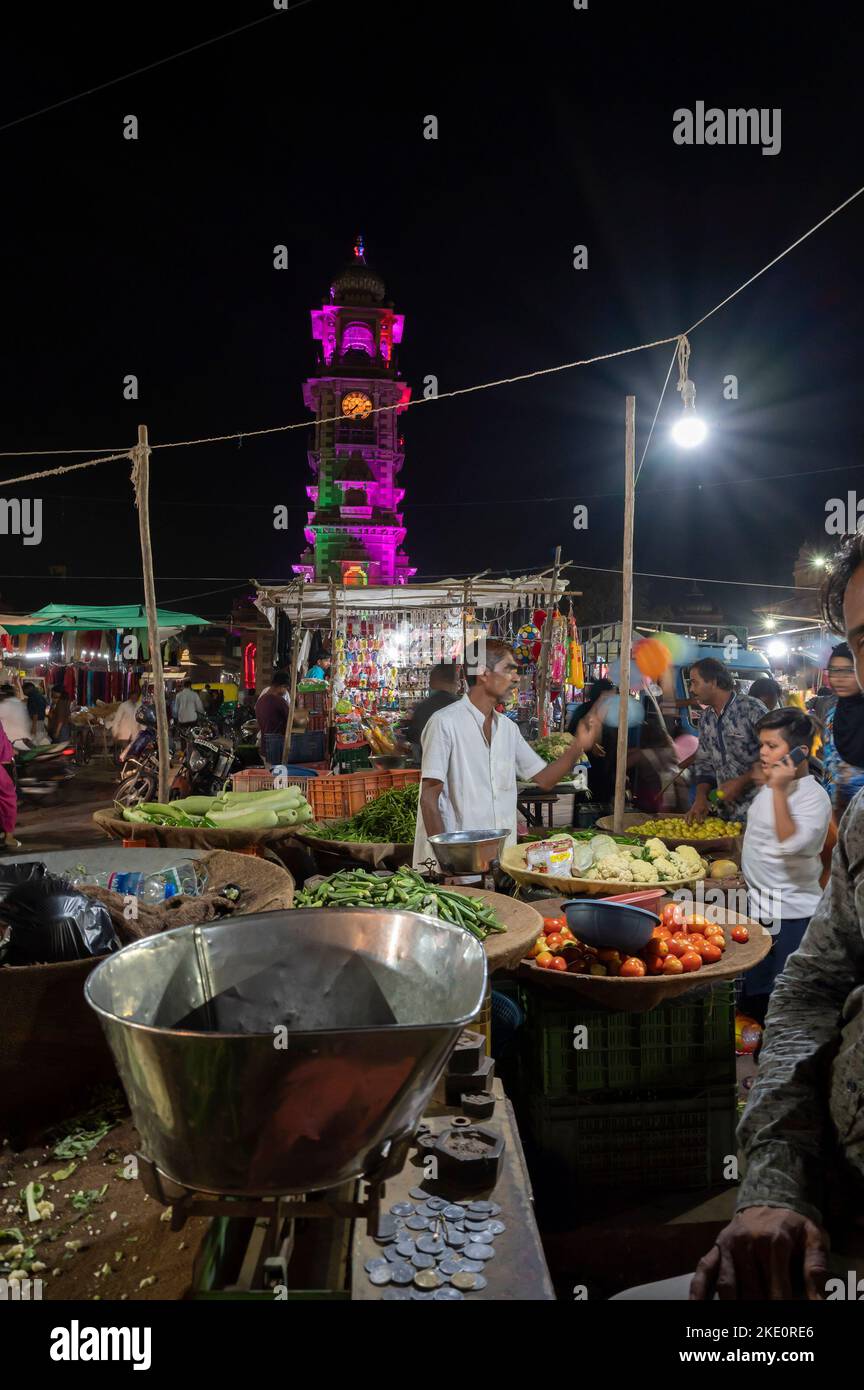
[785,1128]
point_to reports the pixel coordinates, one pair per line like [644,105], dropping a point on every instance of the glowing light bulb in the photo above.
[689,430]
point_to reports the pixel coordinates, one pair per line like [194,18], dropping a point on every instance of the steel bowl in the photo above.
[610,926]
[387,761]
[285,1052]
[468,851]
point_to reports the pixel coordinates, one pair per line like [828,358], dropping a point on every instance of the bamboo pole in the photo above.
[296,639]
[626,611]
[141,484]
[546,643]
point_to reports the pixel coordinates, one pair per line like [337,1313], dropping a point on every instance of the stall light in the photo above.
[778,650]
[689,430]
[770,624]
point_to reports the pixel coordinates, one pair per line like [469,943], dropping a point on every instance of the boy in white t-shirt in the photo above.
[786,827]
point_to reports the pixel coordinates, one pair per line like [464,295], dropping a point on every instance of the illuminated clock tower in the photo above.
[354,533]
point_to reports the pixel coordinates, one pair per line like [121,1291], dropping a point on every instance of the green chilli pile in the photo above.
[390,819]
[404,890]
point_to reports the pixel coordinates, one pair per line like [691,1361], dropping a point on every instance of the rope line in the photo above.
[66,468]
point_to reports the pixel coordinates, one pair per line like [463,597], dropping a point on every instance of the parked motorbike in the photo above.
[209,759]
[41,770]
[139,762]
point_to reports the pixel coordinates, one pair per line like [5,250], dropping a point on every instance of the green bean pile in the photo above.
[390,819]
[405,890]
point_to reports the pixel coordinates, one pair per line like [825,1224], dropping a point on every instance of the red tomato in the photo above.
[544,960]
[711,954]
[656,964]
[697,920]
[554,924]
[678,944]
[702,947]
[691,960]
[672,915]
[661,933]
[740,932]
[632,968]
[567,934]
[697,941]
[609,957]
[558,963]
[554,941]
[672,966]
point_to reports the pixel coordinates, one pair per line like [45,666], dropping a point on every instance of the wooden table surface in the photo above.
[518,1270]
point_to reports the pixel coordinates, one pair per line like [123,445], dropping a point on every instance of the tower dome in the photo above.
[357,284]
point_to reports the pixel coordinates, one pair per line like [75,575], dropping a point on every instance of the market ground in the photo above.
[65,819]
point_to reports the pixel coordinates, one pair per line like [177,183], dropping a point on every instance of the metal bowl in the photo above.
[285,1052]
[610,926]
[386,761]
[467,851]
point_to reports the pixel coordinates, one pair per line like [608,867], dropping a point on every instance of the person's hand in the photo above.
[780,774]
[733,788]
[598,751]
[765,1252]
[699,810]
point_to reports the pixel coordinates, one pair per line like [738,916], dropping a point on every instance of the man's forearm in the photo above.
[432,821]
[784,825]
[552,773]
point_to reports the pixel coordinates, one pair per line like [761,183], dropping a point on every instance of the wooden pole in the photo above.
[296,639]
[141,483]
[627,609]
[546,643]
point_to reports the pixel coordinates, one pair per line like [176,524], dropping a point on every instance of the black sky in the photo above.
[155,257]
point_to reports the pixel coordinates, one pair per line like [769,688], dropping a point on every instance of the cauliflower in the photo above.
[656,849]
[666,869]
[615,867]
[602,846]
[692,861]
[644,872]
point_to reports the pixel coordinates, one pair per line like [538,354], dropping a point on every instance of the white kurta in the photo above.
[479,778]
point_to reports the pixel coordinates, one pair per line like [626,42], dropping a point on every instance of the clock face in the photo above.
[357,405]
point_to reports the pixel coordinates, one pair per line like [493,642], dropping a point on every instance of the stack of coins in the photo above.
[433,1249]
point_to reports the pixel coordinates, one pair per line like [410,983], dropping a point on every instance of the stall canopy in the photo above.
[481,592]
[60,617]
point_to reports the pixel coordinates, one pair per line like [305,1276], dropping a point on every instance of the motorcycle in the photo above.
[209,759]
[139,762]
[41,769]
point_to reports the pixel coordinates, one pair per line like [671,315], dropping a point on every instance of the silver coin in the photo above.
[406,1248]
[393,1254]
[479,1252]
[427,1279]
[482,1208]
[470,1266]
[448,1295]
[392,1295]
[477,1223]
[497,1228]
[418,1194]
[421,1261]
[431,1245]
[426,1209]
[449,1265]
[457,1239]
[465,1281]
[418,1296]
[418,1223]
[401,1273]
[494,1209]
[436,1203]
[402,1209]
[453,1213]
[484,1237]
[381,1276]
[376,1263]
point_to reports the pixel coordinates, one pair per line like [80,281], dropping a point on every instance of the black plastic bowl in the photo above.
[610,926]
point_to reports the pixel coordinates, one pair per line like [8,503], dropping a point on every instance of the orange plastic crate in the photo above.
[341,796]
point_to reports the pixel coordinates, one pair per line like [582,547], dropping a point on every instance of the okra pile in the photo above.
[404,890]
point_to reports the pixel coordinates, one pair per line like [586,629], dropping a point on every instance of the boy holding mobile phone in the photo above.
[786,828]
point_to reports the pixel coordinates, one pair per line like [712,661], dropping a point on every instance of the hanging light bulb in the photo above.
[689,430]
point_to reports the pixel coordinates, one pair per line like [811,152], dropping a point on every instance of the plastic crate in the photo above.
[260,779]
[311,700]
[658,1141]
[683,1045]
[308,747]
[337,798]
[317,723]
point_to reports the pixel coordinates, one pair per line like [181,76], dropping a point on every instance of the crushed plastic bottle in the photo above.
[185,877]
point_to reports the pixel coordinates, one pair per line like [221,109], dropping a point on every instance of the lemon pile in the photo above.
[677,828]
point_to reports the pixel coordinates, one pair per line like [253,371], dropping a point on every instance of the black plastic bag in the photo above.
[11,875]
[49,921]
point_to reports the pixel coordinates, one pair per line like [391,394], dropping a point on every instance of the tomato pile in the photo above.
[680,944]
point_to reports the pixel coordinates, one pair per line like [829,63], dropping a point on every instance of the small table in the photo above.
[530,802]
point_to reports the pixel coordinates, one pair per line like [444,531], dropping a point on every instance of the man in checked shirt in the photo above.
[728,752]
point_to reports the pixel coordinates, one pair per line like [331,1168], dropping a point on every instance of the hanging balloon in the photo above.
[526,638]
[635,682]
[681,649]
[652,658]
[539,618]
[634,712]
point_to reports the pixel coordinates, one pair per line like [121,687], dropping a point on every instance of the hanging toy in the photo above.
[652,658]
[526,639]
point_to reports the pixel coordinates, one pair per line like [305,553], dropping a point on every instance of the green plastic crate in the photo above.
[683,1045]
[648,1142]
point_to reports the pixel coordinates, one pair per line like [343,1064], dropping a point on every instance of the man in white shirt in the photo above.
[188,708]
[472,757]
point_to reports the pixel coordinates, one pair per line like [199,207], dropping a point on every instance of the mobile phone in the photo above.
[797,755]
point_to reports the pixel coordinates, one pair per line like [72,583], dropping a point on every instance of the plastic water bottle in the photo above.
[185,877]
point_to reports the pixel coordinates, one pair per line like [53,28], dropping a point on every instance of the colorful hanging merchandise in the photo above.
[576,669]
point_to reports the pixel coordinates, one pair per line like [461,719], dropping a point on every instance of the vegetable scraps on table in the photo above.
[406,890]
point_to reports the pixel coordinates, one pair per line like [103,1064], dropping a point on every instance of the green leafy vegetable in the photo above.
[404,890]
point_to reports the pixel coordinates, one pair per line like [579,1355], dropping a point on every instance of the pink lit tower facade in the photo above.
[354,534]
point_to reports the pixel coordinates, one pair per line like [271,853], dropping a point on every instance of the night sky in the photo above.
[155,257]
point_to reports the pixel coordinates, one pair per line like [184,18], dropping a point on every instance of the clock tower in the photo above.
[354,533]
